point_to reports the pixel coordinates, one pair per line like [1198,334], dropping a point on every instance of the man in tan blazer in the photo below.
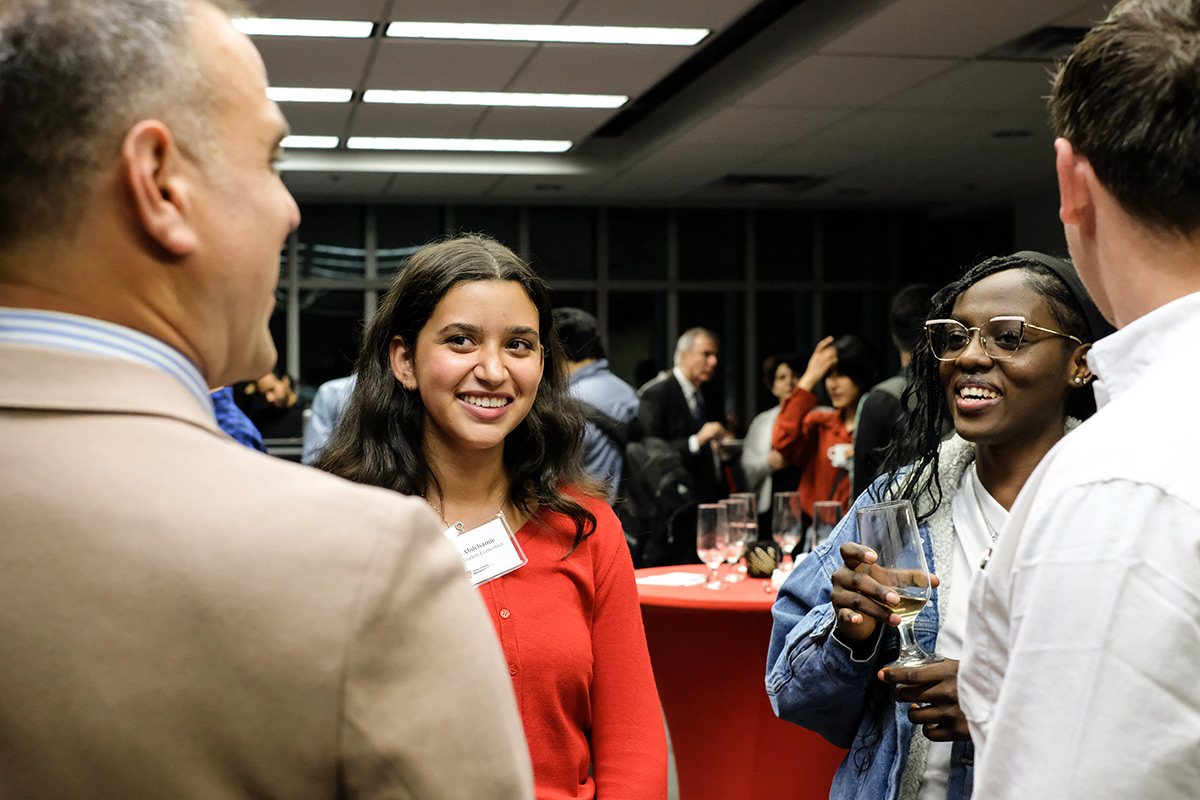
[181,617]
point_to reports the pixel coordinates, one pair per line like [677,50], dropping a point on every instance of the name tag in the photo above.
[489,551]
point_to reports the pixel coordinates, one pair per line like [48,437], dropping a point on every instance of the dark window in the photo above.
[330,326]
[711,245]
[637,244]
[402,230]
[562,242]
[783,245]
[502,223]
[332,242]
[855,245]
[637,342]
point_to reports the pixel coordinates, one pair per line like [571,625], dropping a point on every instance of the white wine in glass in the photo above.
[890,529]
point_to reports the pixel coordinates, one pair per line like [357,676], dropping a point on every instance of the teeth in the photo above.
[485,402]
[977,393]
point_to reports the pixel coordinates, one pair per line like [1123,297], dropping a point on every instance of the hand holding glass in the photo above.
[890,530]
[712,539]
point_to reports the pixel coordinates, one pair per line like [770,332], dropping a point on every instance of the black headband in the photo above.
[1097,324]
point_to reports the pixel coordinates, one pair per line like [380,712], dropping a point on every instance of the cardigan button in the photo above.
[512,669]
[505,613]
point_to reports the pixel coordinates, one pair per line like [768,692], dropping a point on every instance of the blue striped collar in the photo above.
[78,334]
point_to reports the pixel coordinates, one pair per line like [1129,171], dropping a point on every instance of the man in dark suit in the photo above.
[673,407]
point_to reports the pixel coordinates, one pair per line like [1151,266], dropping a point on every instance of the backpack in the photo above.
[656,497]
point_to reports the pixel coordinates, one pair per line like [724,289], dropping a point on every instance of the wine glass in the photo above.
[826,514]
[712,539]
[890,529]
[752,523]
[786,522]
[739,527]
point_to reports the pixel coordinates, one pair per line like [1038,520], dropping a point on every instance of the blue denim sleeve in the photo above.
[812,678]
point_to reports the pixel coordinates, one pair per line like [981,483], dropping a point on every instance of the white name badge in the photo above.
[489,551]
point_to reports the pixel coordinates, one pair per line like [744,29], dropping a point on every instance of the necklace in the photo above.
[458,526]
[992,532]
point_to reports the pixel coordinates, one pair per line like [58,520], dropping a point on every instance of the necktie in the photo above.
[698,406]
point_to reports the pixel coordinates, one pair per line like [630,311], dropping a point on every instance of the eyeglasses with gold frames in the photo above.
[1000,337]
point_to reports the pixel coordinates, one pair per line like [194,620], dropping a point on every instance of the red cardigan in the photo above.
[803,435]
[571,630]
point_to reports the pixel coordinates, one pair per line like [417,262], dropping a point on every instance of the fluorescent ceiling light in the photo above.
[310,142]
[471,145]
[330,28]
[283,94]
[587,34]
[523,99]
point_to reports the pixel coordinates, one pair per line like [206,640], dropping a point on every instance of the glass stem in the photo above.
[908,639]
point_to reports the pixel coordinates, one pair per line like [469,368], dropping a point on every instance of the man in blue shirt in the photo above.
[593,383]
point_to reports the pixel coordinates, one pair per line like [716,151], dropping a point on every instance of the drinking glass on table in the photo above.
[826,514]
[890,529]
[786,523]
[712,539]
[740,514]
[752,526]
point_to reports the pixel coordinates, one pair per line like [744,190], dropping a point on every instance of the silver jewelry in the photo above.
[992,532]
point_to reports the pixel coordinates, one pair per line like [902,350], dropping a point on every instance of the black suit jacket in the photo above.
[664,412]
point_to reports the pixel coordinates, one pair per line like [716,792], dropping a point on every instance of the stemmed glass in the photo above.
[890,529]
[786,522]
[752,523]
[826,514]
[739,513]
[712,539]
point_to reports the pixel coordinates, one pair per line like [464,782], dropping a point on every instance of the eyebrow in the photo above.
[467,327]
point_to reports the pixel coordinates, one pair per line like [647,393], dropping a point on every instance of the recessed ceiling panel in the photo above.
[544,188]
[421,186]
[844,82]
[449,66]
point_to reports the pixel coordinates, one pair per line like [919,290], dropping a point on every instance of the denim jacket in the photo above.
[813,679]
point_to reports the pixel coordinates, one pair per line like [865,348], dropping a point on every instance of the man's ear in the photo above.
[159,186]
[1075,178]
[402,363]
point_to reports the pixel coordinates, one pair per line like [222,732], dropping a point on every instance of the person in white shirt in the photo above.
[1079,673]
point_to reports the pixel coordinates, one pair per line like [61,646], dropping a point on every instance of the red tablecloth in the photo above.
[709,650]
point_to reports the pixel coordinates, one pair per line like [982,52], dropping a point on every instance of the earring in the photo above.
[1078,381]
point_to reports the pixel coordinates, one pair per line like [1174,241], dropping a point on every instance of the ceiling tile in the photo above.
[448,66]
[678,169]
[418,185]
[843,82]
[314,63]
[712,14]
[382,119]
[545,188]
[987,85]
[574,124]
[597,69]
[947,28]
[759,125]
[307,186]
[529,12]
[327,119]
[320,9]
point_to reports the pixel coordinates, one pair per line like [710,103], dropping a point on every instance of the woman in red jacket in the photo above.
[820,440]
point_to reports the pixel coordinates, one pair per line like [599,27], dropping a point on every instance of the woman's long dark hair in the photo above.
[380,438]
[918,435]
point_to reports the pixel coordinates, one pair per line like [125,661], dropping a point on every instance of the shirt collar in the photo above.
[73,333]
[1120,359]
[689,388]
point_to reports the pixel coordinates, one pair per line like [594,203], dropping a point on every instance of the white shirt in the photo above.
[972,539]
[1081,671]
[690,390]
